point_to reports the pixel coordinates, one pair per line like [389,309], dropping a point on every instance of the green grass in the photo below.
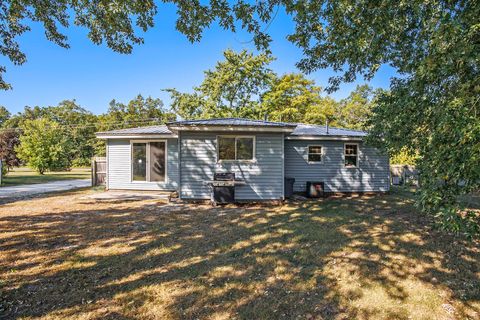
[25,175]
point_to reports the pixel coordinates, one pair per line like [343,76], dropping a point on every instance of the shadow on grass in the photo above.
[311,259]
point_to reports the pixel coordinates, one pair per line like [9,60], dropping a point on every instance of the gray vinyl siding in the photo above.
[372,173]
[263,177]
[119,167]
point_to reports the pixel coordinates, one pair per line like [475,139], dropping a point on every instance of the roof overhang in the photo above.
[337,138]
[288,129]
[135,136]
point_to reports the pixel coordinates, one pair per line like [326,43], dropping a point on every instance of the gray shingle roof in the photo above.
[316,130]
[231,122]
[162,129]
[300,129]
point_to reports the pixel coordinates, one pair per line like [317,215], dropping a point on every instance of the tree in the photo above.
[231,89]
[29,113]
[111,22]
[4,115]
[44,145]
[290,98]
[325,110]
[81,127]
[356,108]
[137,112]
[9,140]
[404,157]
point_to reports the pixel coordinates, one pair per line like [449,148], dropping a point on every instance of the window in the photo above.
[149,161]
[235,148]
[139,161]
[314,153]
[351,155]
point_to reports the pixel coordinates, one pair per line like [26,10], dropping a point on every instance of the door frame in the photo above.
[147,151]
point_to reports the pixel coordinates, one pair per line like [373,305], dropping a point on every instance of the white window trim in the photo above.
[344,154]
[254,159]
[165,180]
[322,153]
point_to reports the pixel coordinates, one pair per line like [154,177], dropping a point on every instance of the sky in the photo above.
[94,75]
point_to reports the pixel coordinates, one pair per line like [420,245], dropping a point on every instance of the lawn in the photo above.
[64,257]
[24,175]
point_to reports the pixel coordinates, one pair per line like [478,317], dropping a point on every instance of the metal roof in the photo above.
[231,122]
[299,128]
[161,129]
[319,130]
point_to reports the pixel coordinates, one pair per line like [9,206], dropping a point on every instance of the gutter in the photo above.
[337,138]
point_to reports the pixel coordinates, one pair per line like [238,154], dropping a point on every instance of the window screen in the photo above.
[244,148]
[351,155]
[226,148]
[235,148]
[314,153]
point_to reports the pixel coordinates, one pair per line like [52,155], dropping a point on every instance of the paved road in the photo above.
[32,189]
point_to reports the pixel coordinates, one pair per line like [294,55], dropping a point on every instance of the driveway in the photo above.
[33,189]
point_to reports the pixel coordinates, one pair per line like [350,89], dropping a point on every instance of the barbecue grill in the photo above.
[223,187]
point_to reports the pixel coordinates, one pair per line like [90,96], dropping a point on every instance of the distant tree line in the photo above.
[60,137]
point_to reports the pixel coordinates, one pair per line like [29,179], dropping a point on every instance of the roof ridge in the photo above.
[323,126]
[229,119]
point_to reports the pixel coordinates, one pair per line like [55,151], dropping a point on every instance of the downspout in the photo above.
[107,144]
[179,187]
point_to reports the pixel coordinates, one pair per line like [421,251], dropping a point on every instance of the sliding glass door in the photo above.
[149,161]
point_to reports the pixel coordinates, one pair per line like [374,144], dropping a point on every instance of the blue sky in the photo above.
[94,75]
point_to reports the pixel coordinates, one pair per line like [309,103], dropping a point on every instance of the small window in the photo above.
[235,148]
[351,155]
[314,153]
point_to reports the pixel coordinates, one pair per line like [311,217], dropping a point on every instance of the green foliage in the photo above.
[81,125]
[137,112]
[231,89]
[290,98]
[114,23]
[326,109]
[244,86]
[404,157]
[356,108]
[447,138]
[4,115]
[44,145]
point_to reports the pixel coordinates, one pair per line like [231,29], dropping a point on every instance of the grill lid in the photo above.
[224,176]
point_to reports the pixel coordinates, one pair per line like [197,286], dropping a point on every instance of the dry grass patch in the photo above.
[62,257]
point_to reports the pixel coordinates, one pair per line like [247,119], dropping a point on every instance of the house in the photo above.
[184,156]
